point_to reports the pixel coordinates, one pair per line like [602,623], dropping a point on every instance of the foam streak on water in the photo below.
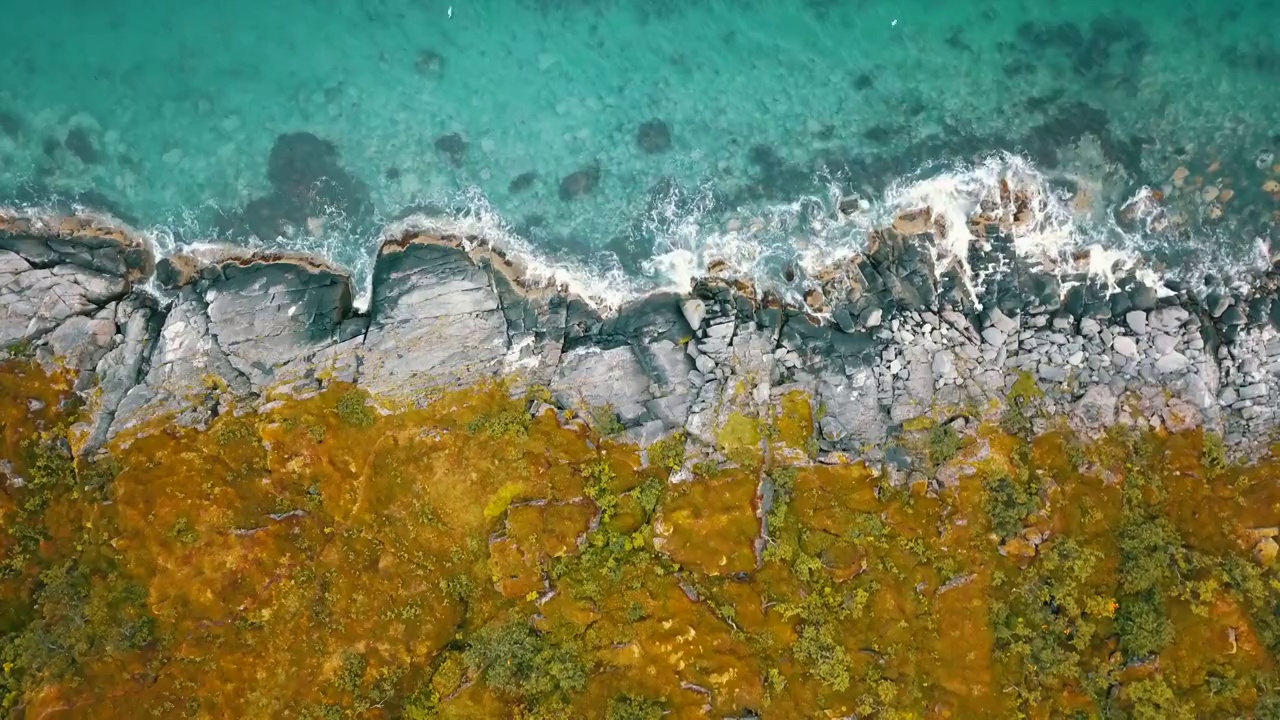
[780,247]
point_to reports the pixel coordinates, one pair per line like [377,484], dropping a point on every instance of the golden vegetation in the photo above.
[469,561]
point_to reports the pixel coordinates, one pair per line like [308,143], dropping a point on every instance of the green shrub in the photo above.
[49,462]
[944,443]
[182,532]
[649,494]
[1147,548]
[508,423]
[822,655]
[1008,502]
[1152,699]
[354,411]
[1213,451]
[598,479]
[634,707]
[1046,621]
[351,674]
[235,431]
[518,662]
[1144,628]
[1021,406]
[606,422]
[706,468]
[668,453]
[80,614]
[50,472]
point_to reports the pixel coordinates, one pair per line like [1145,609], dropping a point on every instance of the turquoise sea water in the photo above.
[604,133]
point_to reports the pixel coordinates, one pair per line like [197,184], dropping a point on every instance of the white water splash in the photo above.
[481,225]
[778,247]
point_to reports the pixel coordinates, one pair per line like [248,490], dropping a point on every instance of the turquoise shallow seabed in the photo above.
[606,132]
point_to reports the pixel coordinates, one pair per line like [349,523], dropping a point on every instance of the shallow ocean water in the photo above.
[605,134]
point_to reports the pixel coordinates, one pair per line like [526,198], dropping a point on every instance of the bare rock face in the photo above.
[187,376]
[436,320]
[52,271]
[35,300]
[881,342]
[271,315]
[67,295]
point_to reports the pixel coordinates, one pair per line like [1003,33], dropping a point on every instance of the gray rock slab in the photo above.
[1137,321]
[436,321]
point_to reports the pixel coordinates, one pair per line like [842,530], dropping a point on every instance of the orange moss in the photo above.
[297,564]
[710,525]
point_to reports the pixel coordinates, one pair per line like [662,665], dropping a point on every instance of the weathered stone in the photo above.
[436,320]
[1053,374]
[36,300]
[1265,552]
[1250,392]
[1217,303]
[1171,362]
[844,320]
[1233,316]
[1002,322]
[446,312]
[185,355]
[1137,321]
[1125,346]
[1180,416]
[1168,319]
[944,364]
[1096,410]
[694,311]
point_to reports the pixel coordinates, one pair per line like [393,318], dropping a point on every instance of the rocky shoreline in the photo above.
[892,336]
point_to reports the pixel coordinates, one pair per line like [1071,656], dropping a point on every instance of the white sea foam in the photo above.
[782,247]
[817,233]
[481,225]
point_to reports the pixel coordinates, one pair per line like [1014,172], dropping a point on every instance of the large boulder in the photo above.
[270,313]
[435,319]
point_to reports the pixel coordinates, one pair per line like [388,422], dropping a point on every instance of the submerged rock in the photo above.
[522,182]
[10,124]
[309,185]
[80,144]
[429,62]
[579,183]
[654,136]
[454,147]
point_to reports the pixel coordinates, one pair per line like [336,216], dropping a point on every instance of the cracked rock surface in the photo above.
[230,328]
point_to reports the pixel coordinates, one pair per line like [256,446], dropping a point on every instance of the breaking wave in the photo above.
[1053,222]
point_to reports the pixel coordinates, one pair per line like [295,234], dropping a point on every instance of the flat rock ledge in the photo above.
[886,340]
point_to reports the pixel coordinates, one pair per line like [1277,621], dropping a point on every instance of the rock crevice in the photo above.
[883,343]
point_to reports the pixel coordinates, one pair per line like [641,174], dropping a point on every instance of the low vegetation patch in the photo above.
[472,562]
